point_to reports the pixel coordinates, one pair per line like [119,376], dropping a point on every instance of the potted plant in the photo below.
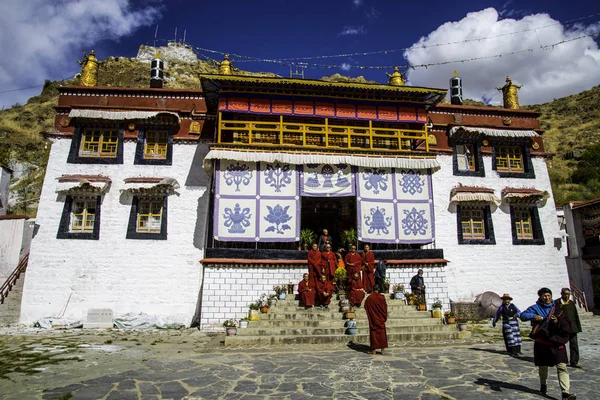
[436,309]
[341,277]
[351,327]
[244,322]
[280,291]
[349,238]
[230,326]
[461,324]
[253,311]
[398,290]
[386,285]
[290,288]
[450,317]
[307,238]
[411,298]
[264,302]
[350,314]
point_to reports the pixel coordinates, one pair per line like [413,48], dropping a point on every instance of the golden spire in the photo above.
[455,74]
[396,79]
[510,94]
[225,66]
[89,69]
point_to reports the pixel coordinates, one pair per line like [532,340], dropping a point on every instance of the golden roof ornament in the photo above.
[89,69]
[396,78]
[225,67]
[509,94]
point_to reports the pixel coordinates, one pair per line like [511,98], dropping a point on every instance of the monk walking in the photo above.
[376,308]
[306,289]
[353,262]
[368,277]
[314,263]
[328,263]
[356,293]
[324,291]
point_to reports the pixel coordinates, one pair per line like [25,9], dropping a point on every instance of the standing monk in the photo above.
[324,291]
[353,262]
[368,278]
[376,308]
[328,263]
[314,263]
[306,289]
[356,293]
[324,240]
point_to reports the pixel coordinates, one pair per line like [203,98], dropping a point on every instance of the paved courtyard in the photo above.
[187,364]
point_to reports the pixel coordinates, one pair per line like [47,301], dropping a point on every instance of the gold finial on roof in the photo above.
[455,74]
[157,55]
[89,69]
[510,94]
[396,78]
[225,66]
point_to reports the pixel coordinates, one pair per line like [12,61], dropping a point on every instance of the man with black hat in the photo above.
[570,310]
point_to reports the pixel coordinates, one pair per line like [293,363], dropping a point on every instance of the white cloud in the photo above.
[350,30]
[357,3]
[346,67]
[545,74]
[42,40]
[372,14]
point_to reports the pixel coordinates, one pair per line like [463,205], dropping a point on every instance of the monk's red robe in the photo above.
[329,264]
[322,288]
[355,292]
[353,264]
[376,309]
[314,265]
[368,277]
[307,293]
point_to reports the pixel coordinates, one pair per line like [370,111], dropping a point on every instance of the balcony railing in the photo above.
[320,135]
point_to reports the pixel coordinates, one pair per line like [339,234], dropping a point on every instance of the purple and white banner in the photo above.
[256,201]
[327,180]
[394,205]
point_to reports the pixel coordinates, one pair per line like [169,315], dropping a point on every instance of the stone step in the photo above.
[332,323]
[324,315]
[294,308]
[340,330]
[296,301]
[360,338]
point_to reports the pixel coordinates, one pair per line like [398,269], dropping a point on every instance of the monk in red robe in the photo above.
[368,277]
[353,262]
[314,263]
[376,308]
[328,263]
[356,293]
[306,289]
[324,291]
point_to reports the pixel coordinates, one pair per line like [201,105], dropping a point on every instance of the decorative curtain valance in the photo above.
[494,132]
[256,202]
[317,158]
[394,206]
[466,194]
[80,184]
[522,195]
[119,115]
[141,185]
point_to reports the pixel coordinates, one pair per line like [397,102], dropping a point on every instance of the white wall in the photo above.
[159,277]
[502,268]
[11,241]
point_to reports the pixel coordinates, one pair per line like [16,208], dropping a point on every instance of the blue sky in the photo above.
[44,39]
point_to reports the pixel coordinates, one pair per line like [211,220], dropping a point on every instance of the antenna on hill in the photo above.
[155,35]
[297,70]
[175,34]
[184,32]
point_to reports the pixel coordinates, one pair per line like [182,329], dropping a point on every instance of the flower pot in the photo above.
[282,295]
[264,309]
[351,323]
[253,315]
[386,288]
[422,307]
[244,324]
[462,327]
[351,331]
[450,320]
[231,331]
[345,308]
[436,313]
[350,315]
[290,288]
[398,295]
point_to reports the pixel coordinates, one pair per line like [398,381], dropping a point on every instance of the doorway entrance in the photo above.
[336,214]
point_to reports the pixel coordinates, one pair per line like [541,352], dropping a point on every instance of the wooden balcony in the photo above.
[324,135]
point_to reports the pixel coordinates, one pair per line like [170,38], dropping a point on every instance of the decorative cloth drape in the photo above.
[256,201]
[327,180]
[394,205]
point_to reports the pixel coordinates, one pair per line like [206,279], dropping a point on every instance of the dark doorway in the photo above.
[336,214]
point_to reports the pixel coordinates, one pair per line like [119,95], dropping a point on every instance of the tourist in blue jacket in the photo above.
[550,351]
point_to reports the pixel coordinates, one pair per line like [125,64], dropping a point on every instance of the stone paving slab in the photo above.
[188,364]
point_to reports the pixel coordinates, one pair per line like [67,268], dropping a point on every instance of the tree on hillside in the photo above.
[588,168]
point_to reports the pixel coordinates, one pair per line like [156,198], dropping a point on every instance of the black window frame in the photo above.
[65,220]
[132,232]
[488,224]
[528,172]
[478,157]
[75,158]
[536,225]
[139,149]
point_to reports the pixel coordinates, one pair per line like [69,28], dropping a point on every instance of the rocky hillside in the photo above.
[571,123]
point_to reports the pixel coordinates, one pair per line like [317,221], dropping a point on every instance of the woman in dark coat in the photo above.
[550,350]
[510,325]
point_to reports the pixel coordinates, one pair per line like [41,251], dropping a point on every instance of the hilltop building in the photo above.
[189,204]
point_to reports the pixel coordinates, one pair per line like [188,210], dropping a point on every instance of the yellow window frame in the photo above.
[149,215]
[83,215]
[99,142]
[156,144]
[523,224]
[473,224]
[509,159]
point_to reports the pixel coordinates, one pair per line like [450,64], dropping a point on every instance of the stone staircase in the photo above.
[286,323]
[10,310]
